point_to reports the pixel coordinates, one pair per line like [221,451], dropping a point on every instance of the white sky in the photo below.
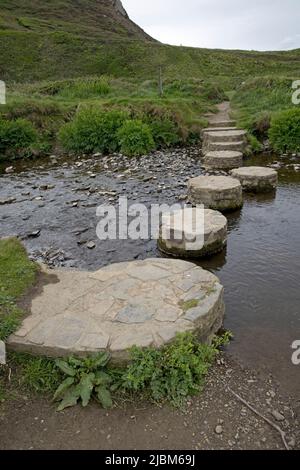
[227,24]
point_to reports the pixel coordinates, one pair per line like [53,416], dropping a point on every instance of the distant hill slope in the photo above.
[56,39]
[100,18]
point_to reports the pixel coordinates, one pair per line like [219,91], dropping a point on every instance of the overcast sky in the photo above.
[228,24]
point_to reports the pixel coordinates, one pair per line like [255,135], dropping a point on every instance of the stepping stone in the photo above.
[225,136]
[221,193]
[256,179]
[193,233]
[142,303]
[224,146]
[219,129]
[222,123]
[224,160]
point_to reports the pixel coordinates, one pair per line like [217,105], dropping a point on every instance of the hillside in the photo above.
[59,39]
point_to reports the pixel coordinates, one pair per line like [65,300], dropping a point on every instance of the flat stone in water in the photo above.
[221,193]
[226,160]
[138,303]
[193,233]
[256,179]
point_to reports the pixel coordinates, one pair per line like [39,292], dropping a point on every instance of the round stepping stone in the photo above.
[221,146]
[222,123]
[221,193]
[225,136]
[256,179]
[226,160]
[193,233]
[141,303]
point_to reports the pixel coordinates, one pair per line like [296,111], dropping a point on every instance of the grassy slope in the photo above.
[17,274]
[63,39]
[257,99]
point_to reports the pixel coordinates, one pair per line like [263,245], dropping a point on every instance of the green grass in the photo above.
[17,274]
[258,99]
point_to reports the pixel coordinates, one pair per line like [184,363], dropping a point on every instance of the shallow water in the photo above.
[260,268]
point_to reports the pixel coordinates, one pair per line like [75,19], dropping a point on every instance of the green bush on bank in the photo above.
[285,131]
[135,138]
[96,130]
[93,130]
[16,135]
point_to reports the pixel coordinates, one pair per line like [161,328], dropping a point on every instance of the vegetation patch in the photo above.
[17,274]
[16,136]
[93,130]
[285,131]
[257,100]
[189,304]
[135,138]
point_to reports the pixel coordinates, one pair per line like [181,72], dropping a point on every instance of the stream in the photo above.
[51,205]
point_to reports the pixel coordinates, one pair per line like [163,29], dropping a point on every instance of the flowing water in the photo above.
[259,269]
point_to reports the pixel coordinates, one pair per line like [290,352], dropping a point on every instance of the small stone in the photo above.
[292,442]
[9,169]
[278,416]
[9,200]
[219,429]
[91,245]
[34,234]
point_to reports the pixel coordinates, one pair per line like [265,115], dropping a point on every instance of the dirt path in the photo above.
[33,423]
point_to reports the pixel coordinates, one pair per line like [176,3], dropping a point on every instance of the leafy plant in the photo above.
[92,130]
[135,138]
[17,274]
[285,131]
[174,372]
[16,135]
[85,378]
[255,144]
[164,132]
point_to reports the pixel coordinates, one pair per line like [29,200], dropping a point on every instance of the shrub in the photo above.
[255,144]
[18,134]
[261,125]
[135,138]
[174,372]
[285,131]
[92,130]
[165,133]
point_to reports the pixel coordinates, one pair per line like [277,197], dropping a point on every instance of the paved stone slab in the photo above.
[193,233]
[142,303]
[221,193]
[225,160]
[256,179]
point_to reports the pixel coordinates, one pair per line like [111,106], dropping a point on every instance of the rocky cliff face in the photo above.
[119,7]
